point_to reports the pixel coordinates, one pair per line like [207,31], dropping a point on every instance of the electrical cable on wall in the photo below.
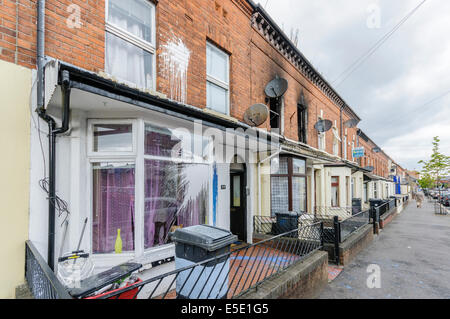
[60,205]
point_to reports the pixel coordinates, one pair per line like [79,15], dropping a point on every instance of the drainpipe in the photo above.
[40,52]
[52,129]
[53,132]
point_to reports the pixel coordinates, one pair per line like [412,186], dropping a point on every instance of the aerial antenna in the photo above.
[276,88]
[351,123]
[256,115]
[323,126]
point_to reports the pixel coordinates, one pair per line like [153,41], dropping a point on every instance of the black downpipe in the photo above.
[53,132]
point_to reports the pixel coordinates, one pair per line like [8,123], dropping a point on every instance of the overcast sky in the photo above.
[409,70]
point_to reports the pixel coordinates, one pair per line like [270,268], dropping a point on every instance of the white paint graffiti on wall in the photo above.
[175,62]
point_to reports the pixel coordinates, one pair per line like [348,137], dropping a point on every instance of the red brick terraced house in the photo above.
[138,124]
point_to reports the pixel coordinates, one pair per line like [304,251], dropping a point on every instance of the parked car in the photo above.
[434,194]
[444,198]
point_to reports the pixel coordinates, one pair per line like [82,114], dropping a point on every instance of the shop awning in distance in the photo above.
[368,177]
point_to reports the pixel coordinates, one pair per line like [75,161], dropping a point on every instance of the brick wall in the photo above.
[379,161]
[83,47]
[254,62]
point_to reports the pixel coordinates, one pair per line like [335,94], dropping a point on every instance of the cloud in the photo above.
[409,148]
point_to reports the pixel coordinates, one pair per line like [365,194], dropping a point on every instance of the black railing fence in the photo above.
[389,206]
[232,274]
[340,220]
[439,208]
[338,224]
[377,211]
[328,213]
[41,280]
[348,226]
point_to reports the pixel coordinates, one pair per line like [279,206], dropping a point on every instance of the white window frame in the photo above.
[353,147]
[217,82]
[322,141]
[150,47]
[375,190]
[112,157]
[114,154]
[345,150]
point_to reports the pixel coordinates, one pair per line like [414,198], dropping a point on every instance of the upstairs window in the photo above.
[353,147]
[345,148]
[302,119]
[321,136]
[130,42]
[217,79]
[275,114]
[335,147]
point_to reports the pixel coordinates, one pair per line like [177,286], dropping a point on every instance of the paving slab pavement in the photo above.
[413,255]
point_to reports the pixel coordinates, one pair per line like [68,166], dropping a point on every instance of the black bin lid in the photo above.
[207,237]
[288,214]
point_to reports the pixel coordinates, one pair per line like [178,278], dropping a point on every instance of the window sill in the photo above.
[105,261]
[156,254]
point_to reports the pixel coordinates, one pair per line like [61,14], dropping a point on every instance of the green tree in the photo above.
[438,166]
[426,182]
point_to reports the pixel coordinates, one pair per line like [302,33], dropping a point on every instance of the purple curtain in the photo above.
[113,208]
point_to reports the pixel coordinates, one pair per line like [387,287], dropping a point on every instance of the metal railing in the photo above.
[440,209]
[376,212]
[385,207]
[338,223]
[232,274]
[42,281]
[328,213]
[350,225]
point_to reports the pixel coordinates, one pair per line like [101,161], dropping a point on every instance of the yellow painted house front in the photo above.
[15,88]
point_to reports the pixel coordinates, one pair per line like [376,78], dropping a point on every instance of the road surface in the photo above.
[413,255]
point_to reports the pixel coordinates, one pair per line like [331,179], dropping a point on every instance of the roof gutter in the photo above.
[93,83]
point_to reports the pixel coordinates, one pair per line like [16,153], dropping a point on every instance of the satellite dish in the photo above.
[376,150]
[369,168]
[276,88]
[351,123]
[256,115]
[323,126]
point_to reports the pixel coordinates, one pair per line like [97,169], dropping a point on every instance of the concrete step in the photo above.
[24,292]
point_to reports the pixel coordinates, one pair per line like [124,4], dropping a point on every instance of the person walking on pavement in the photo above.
[419,199]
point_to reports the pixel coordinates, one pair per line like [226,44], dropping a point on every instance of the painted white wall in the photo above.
[359,182]
[344,190]
[223,197]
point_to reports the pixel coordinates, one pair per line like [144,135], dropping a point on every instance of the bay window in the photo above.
[288,185]
[146,180]
[130,42]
